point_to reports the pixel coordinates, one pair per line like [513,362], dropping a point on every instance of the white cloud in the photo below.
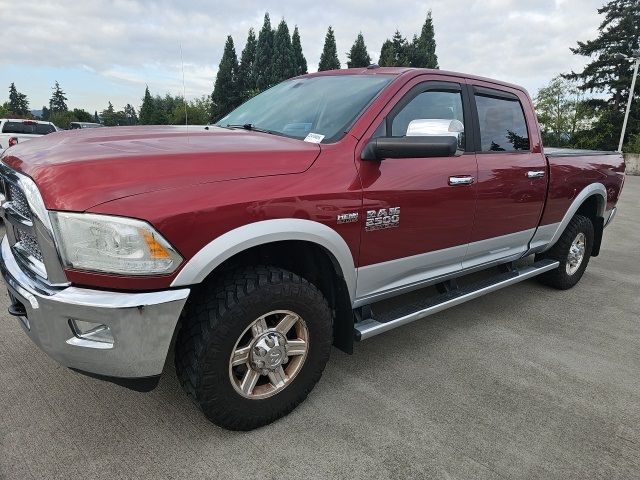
[131,43]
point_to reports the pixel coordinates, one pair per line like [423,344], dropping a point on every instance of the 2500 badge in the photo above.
[383,218]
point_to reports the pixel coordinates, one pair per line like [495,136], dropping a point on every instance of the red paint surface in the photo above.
[195,187]
[570,175]
[508,201]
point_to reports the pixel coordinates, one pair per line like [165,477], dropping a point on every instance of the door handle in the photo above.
[461,180]
[535,174]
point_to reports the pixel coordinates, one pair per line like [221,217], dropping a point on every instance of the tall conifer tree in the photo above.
[300,62]
[264,55]
[225,97]
[358,55]
[329,58]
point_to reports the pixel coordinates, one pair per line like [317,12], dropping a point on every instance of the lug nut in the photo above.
[270,342]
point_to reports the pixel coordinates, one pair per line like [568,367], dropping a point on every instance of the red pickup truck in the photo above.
[328,209]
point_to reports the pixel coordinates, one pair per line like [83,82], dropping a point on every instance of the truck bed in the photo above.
[575,152]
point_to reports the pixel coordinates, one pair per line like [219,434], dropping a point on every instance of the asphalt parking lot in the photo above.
[524,383]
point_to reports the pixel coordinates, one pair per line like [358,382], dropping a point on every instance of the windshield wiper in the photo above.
[251,127]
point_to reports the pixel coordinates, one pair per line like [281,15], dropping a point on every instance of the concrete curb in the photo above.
[633,163]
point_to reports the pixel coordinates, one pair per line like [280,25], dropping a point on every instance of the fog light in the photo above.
[98,334]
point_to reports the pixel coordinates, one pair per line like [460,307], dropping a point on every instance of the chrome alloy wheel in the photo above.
[269,354]
[576,253]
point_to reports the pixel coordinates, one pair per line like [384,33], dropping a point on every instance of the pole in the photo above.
[626,115]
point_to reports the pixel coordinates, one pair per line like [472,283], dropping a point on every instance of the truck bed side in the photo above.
[571,171]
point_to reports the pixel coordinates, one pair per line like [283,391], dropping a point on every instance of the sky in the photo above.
[103,51]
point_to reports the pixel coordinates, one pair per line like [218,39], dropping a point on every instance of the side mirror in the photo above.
[425,138]
[410,147]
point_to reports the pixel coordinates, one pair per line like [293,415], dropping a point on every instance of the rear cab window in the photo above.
[501,121]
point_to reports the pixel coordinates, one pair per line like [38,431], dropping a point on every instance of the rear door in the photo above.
[512,174]
[418,211]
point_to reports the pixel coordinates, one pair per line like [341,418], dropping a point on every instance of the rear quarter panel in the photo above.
[569,175]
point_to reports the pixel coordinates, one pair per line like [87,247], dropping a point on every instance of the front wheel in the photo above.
[253,346]
[573,251]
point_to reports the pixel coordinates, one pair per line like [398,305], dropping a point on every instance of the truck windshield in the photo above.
[324,106]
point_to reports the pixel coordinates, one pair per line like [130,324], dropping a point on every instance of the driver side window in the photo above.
[428,111]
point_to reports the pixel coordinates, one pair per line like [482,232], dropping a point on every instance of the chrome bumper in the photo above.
[142,324]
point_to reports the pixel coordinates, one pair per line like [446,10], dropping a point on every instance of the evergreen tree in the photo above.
[387,55]
[96,118]
[130,114]
[395,52]
[358,55]
[264,54]
[45,113]
[283,65]
[423,48]
[329,58]
[246,81]
[300,62]
[109,117]
[619,33]
[146,109]
[58,102]
[224,96]
[18,103]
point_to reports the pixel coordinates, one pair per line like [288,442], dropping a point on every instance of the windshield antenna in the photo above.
[184,95]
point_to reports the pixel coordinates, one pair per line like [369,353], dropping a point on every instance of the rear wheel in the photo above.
[573,251]
[253,346]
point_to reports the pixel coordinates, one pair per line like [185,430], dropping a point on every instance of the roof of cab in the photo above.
[410,72]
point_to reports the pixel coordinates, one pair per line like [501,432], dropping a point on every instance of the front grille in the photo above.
[19,201]
[29,243]
[19,223]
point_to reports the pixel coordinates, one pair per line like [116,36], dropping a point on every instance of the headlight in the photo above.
[109,244]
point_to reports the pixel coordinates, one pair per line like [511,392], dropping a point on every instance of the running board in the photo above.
[369,326]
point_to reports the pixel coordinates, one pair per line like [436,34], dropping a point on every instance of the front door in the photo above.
[419,211]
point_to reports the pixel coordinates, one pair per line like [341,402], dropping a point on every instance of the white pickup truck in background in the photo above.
[14,131]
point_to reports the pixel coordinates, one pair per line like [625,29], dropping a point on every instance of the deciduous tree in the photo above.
[561,112]
[81,115]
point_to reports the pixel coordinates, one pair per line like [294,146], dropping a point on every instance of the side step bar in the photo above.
[370,327]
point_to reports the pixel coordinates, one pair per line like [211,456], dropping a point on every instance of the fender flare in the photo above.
[594,189]
[254,234]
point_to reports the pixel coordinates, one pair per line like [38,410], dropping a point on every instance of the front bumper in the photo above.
[142,324]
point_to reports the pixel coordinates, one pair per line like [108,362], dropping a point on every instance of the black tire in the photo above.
[215,319]
[560,278]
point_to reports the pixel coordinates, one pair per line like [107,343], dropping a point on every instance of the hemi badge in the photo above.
[347,218]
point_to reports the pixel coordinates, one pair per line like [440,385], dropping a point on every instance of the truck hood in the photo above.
[79,169]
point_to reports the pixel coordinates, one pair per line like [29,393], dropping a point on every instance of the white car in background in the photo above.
[14,131]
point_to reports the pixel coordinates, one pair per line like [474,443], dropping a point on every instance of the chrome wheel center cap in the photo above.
[269,352]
